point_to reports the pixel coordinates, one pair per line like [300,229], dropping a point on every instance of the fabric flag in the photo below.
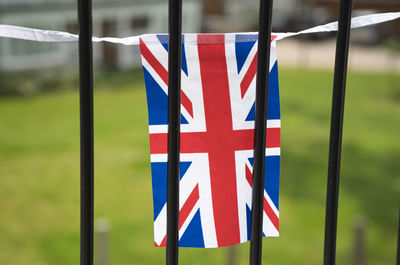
[217,137]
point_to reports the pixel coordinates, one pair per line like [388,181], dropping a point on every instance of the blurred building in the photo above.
[237,15]
[381,5]
[294,15]
[117,18]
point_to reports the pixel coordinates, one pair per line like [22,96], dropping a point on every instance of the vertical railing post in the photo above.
[335,144]
[262,82]
[174,113]
[86,129]
[398,242]
[359,242]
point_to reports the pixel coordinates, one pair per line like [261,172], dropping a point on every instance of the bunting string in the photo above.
[16,32]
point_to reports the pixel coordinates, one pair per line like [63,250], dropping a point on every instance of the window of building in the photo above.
[139,22]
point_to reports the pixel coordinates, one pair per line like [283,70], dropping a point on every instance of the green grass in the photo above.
[39,173]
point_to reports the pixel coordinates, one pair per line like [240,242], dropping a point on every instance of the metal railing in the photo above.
[262,80]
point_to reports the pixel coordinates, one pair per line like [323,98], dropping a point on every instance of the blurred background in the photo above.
[39,134]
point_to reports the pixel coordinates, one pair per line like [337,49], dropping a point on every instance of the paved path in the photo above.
[320,54]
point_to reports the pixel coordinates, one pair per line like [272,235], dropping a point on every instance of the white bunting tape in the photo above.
[9,31]
[356,22]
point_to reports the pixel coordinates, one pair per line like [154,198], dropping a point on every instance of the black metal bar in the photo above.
[335,144]
[174,114]
[398,242]
[86,129]
[262,83]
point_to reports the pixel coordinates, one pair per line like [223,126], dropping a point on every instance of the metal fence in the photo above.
[262,81]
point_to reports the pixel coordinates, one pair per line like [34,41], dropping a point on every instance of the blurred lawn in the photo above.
[39,173]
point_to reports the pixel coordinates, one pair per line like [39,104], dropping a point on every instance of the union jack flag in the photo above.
[217,128]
